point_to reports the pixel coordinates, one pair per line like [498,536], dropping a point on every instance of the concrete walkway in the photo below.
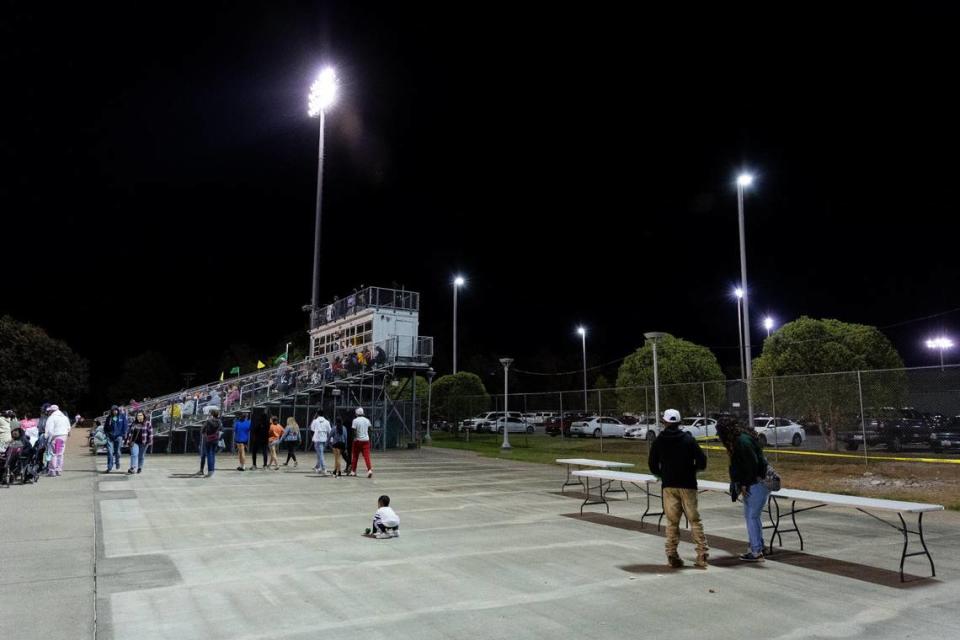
[488,549]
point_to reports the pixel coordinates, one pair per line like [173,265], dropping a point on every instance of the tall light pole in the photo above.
[583,335]
[457,283]
[286,353]
[768,324]
[322,94]
[738,292]
[744,180]
[653,336]
[940,344]
[506,362]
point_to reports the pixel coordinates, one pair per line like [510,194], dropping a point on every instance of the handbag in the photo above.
[771,479]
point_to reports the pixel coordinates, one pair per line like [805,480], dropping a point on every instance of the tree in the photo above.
[458,396]
[147,375]
[689,375]
[604,398]
[404,390]
[801,349]
[35,368]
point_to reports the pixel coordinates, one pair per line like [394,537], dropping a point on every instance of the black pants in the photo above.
[261,446]
[291,450]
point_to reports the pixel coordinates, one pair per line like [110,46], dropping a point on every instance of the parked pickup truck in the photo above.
[946,436]
[894,428]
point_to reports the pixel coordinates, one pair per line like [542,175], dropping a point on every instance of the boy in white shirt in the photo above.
[386,522]
[321,432]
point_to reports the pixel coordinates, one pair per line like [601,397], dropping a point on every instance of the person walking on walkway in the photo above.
[275,432]
[139,437]
[211,432]
[290,439]
[58,429]
[321,433]
[361,443]
[116,431]
[675,457]
[241,438]
[259,437]
[338,445]
[747,468]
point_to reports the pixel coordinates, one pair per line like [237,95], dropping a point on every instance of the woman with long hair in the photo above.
[291,438]
[139,437]
[275,432]
[747,470]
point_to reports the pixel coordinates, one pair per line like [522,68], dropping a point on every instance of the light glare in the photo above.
[768,323]
[940,343]
[738,292]
[458,281]
[323,92]
[744,180]
[581,331]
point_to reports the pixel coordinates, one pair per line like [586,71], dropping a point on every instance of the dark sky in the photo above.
[576,165]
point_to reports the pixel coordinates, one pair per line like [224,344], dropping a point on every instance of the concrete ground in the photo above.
[488,549]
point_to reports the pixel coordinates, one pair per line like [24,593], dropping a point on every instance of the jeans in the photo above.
[137,452]
[675,502]
[113,451]
[320,462]
[210,450]
[753,504]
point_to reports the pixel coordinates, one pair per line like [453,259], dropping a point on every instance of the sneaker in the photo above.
[394,534]
[240,468]
[674,561]
[130,471]
[701,562]
[370,473]
[752,557]
[381,535]
[140,470]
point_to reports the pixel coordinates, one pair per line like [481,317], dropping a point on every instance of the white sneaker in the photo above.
[395,533]
[370,473]
[380,535]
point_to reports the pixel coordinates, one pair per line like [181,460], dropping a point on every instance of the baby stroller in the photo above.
[15,460]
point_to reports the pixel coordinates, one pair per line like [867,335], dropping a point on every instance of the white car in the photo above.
[477,424]
[597,426]
[538,417]
[700,427]
[646,429]
[514,425]
[779,431]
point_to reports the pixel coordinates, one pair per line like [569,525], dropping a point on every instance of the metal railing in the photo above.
[371,297]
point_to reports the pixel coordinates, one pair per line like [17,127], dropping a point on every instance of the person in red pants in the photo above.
[361,443]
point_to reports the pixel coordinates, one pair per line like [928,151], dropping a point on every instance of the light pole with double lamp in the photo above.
[457,283]
[744,180]
[506,362]
[940,343]
[322,94]
[583,335]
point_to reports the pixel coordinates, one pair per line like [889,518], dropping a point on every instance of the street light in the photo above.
[940,343]
[583,335]
[506,362]
[768,324]
[322,94]
[653,336]
[457,283]
[738,293]
[744,180]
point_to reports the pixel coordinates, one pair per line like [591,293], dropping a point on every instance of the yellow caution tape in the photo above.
[824,454]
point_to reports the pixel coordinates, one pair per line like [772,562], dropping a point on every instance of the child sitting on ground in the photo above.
[386,522]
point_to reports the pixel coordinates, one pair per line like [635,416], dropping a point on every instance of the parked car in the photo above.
[893,428]
[512,424]
[538,417]
[645,429]
[597,426]
[700,427]
[472,424]
[553,426]
[778,431]
[946,436]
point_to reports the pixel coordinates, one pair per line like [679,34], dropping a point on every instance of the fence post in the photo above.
[776,437]
[863,424]
[703,392]
[599,420]
[561,415]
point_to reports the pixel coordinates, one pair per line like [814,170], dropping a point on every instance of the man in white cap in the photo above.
[361,442]
[675,457]
[57,430]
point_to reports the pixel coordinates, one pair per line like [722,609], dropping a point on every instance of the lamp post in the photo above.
[457,283]
[768,324]
[506,362]
[744,180]
[940,343]
[430,374]
[322,94]
[286,353]
[738,292]
[583,335]
[653,336]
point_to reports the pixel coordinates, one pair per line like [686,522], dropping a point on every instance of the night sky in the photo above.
[575,165]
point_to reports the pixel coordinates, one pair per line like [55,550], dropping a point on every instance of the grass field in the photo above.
[914,481]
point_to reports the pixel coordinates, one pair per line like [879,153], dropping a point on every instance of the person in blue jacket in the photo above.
[116,430]
[241,438]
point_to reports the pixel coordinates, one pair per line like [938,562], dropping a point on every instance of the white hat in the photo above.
[53,408]
[671,416]
[359,411]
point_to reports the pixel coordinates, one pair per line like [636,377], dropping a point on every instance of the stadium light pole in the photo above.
[940,343]
[457,283]
[322,94]
[744,180]
[506,362]
[583,336]
[653,336]
[738,292]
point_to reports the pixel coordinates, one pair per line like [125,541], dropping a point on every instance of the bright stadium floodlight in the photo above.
[459,281]
[940,343]
[768,324]
[738,293]
[322,93]
[744,180]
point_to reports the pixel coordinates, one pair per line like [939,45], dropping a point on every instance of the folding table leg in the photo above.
[602,500]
